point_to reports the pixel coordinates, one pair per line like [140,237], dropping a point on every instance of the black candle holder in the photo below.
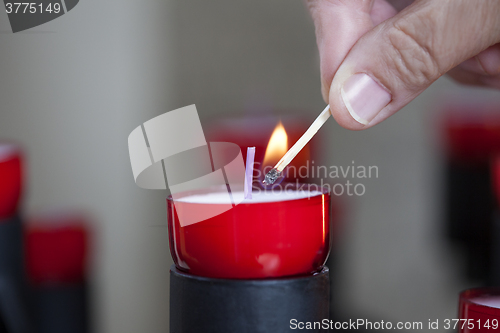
[208,305]
[14,310]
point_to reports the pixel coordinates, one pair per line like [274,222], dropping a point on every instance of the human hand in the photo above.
[375,60]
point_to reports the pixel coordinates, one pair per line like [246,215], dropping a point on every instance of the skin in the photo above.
[405,46]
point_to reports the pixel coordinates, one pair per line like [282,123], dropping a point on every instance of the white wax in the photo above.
[257,197]
[491,301]
[7,150]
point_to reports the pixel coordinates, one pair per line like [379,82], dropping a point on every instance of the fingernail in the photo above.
[364,98]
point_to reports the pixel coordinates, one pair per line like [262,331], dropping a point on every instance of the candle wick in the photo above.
[249,172]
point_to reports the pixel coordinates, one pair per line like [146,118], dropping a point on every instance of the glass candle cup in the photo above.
[280,232]
[479,310]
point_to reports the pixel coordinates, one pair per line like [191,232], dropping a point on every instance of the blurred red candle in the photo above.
[471,134]
[10,179]
[56,246]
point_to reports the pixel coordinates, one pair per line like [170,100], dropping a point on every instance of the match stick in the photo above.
[275,173]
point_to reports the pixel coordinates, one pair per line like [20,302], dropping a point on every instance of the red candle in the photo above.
[56,246]
[479,310]
[10,179]
[277,233]
[472,135]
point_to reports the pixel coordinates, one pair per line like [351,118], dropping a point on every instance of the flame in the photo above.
[277,146]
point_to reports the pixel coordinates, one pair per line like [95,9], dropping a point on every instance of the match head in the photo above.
[271,177]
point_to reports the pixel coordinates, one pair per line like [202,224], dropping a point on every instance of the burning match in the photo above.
[276,172]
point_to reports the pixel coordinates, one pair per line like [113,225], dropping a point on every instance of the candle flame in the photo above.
[277,146]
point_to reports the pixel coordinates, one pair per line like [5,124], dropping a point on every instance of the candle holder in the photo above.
[471,137]
[479,310]
[15,316]
[199,304]
[56,254]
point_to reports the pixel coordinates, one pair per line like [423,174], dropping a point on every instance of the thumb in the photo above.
[339,24]
[398,59]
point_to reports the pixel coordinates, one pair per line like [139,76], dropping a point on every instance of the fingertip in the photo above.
[358,100]
[342,115]
[325,91]
[489,60]
[347,122]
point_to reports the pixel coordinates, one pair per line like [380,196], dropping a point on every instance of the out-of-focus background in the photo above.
[74,88]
